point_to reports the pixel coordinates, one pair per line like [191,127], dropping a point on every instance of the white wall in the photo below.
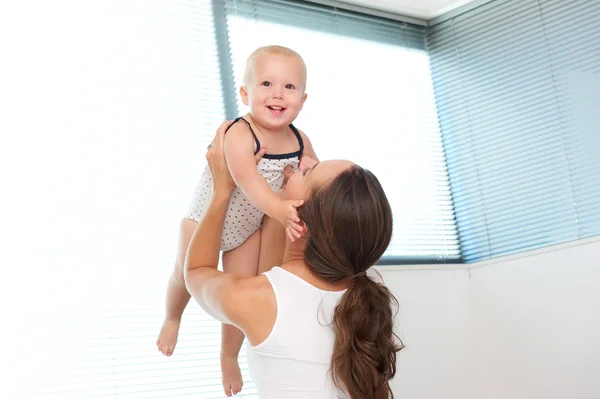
[521,327]
[434,323]
[537,324]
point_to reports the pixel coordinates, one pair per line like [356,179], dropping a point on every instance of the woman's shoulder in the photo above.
[253,306]
[253,288]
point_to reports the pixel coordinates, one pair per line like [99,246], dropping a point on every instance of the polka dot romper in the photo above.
[243,218]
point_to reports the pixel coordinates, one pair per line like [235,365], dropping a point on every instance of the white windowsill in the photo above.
[522,255]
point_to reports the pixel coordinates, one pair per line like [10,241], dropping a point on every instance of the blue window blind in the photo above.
[517,85]
[370,100]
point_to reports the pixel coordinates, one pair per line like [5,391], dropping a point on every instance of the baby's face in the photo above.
[275,90]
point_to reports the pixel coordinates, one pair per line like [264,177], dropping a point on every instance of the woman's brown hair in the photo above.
[349,225]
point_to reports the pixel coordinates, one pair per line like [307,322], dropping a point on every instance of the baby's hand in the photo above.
[288,216]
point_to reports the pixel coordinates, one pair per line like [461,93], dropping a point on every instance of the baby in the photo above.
[274,88]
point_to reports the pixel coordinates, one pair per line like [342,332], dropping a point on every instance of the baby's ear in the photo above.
[304,98]
[244,95]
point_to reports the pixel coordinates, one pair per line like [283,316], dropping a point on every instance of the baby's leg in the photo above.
[243,261]
[177,295]
[272,244]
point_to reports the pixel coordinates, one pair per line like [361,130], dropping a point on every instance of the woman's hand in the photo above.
[217,164]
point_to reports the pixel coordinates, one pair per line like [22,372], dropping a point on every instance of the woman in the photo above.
[318,326]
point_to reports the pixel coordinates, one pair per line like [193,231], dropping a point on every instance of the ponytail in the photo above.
[349,226]
[364,352]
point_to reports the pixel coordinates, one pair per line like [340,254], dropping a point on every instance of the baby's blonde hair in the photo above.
[272,50]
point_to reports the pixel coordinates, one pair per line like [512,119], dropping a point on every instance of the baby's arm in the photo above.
[308,148]
[239,152]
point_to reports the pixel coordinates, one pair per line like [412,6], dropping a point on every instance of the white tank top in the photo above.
[294,361]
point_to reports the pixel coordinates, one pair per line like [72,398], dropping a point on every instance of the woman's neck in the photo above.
[295,263]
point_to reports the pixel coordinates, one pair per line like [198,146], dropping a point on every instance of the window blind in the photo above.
[517,87]
[121,99]
[370,100]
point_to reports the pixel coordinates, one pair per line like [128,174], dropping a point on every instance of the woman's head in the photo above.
[347,214]
[349,223]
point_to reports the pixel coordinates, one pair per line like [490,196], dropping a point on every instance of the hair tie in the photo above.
[359,274]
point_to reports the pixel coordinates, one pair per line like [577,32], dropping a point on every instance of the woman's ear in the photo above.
[304,229]
[287,173]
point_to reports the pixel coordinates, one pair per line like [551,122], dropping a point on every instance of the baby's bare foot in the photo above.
[232,375]
[167,338]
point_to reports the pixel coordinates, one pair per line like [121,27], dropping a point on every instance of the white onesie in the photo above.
[243,218]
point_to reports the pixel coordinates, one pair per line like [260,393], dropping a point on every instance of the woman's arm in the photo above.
[228,298]
[202,279]
[272,233]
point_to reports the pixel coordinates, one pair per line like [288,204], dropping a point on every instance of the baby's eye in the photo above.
[289,86]
[267,84]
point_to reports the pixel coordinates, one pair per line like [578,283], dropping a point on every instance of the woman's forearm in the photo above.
[207,285]
[205,245]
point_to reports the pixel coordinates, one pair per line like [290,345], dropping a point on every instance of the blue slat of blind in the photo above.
[319,18]
[516,88]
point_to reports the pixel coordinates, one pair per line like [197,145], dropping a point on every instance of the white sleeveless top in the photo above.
[294,361]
